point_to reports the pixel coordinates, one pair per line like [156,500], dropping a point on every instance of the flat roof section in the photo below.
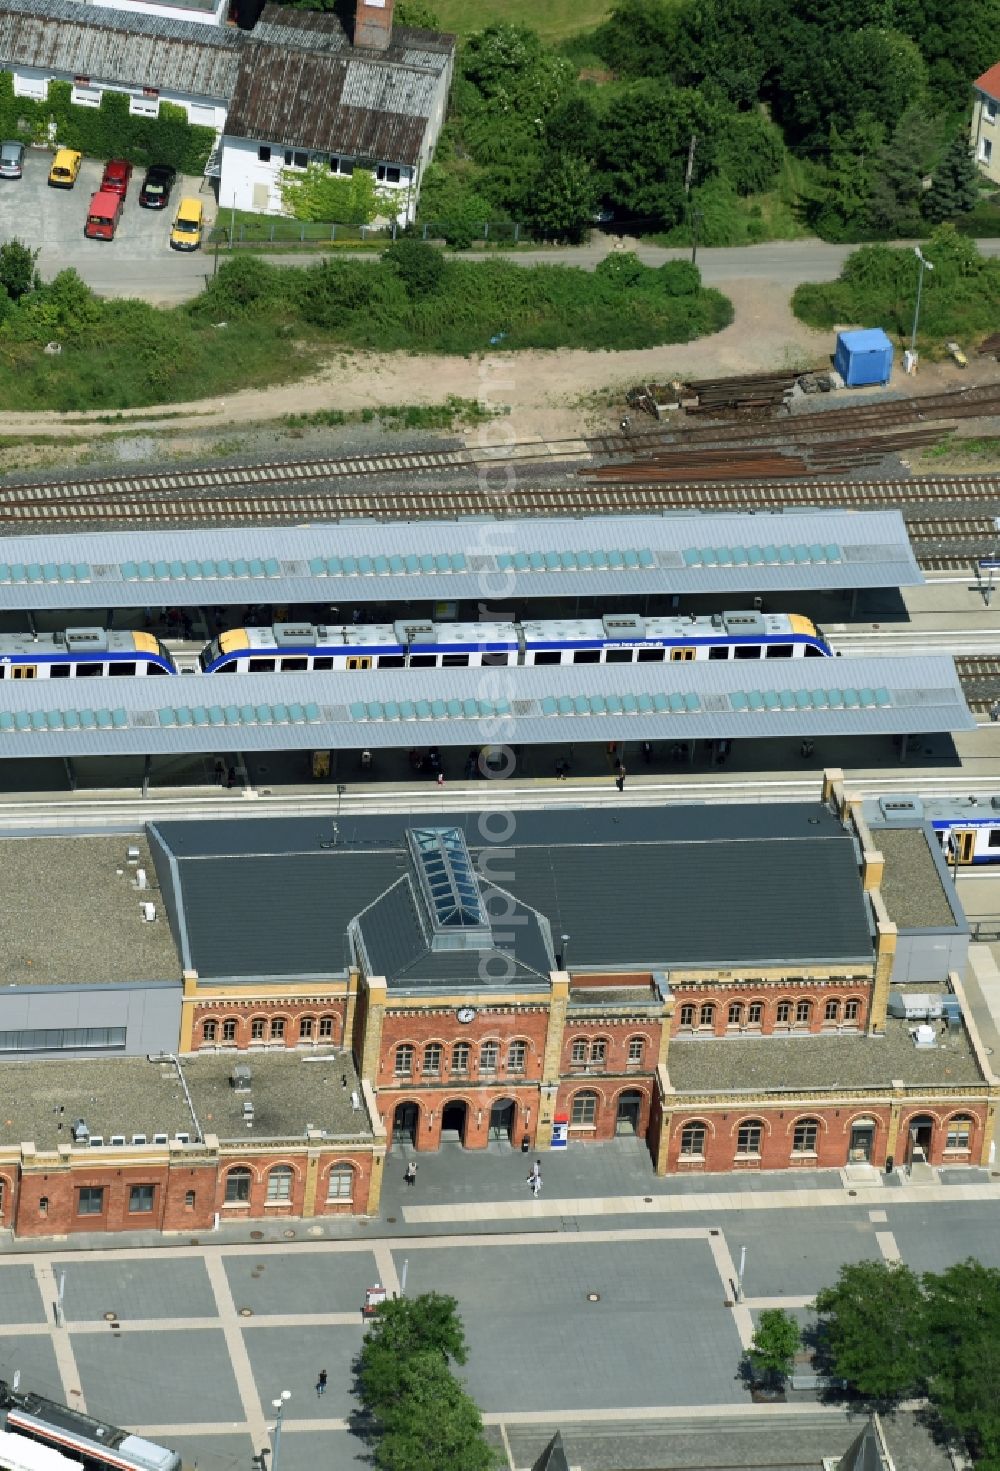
[838,1062]
[131,1095]
[355,562]
[537,706]
[71,918]
[911,886]
[731,886]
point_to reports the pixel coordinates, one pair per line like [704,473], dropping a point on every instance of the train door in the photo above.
[359,661]
[678,656]
[23,671]
[963,844]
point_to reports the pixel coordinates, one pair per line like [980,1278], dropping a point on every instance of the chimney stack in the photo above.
[373,24]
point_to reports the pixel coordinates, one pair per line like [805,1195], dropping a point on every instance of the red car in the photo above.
[117,172]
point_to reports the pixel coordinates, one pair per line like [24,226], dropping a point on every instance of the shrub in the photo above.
[680,278]
[418,265]
[316,194]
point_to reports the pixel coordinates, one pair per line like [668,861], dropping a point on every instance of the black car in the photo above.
[156,186]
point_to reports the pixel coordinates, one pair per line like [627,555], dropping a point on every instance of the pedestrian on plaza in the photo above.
[534,1183]
[321,1383]
[620,779]
[410,1174]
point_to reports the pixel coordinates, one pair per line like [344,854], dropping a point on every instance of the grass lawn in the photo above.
[553,21]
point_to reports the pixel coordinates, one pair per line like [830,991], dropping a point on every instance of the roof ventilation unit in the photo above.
[901,806]
[148,913]
[923,1037]
[241,1078]
[915,1005]
[141,881]
[132,855]
[80,1132]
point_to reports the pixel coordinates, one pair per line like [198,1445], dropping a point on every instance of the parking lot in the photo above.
[52,220]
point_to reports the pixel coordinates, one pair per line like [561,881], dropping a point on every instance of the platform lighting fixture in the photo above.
[920,286]
[279,1408]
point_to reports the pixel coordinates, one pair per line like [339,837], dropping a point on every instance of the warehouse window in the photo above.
[805,1136]
[751,1131]
[693,1138]
[70,1039]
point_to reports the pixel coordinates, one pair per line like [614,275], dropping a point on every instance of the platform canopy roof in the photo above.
[393,709]
[352,562]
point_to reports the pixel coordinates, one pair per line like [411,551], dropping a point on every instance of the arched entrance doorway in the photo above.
[502,1115]
[862,1141]
[921,1132]
[629,1112]
[454,1117]
[404,1123]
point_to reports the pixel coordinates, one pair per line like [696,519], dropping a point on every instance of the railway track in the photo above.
[980,679]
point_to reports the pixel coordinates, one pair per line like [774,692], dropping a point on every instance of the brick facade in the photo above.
[268,1021]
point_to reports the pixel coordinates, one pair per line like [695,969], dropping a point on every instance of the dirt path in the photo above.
[544,393]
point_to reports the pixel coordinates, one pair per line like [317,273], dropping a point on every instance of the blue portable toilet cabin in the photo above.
[863,357]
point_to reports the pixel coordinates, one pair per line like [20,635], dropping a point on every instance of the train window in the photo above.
[125,668]
[587,656]
[423,661]
[652,656]
[159,669]
[391,661]
[261,666]
[495,661]
[812,652]
[454,661]
[747,651]
[324,661]
[778,651]
[548,656]
[294,666]
[59,671]
[994,839]
[89,671]
[719,651]
[619,656]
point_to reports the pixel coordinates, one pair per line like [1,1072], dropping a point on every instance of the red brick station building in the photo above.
[239,1018]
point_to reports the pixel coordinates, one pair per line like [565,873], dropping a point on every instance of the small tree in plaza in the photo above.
[775,1343]
[871,1325]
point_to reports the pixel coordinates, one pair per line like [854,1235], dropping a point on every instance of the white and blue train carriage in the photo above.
[77,653]
[966,828]
[626,638]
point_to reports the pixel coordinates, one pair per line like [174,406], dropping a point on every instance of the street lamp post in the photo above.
[920,286]
[696,219]
[279,1408]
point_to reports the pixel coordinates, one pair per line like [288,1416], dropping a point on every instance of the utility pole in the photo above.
[690,163]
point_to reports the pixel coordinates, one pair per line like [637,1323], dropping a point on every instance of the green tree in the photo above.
[402,1328]
[957,41]
[901,164]
[871,1323]
[418,265]
[838,206]
[775,1343]
[962,1355]
[955,188]
[431,1422]
[563,198]
[644,149]
[17,269]
[843,78]
[453,204]
[316,194]
[416,13]
[751,156]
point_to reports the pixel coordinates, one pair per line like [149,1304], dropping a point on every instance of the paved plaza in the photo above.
[607,1308]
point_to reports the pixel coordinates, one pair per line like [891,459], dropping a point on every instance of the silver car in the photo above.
[11,159]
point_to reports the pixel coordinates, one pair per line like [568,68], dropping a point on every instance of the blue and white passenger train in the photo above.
[619,638]
[967,828]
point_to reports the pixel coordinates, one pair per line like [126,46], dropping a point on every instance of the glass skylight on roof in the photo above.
[447,878]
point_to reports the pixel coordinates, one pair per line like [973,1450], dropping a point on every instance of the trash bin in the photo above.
[525,1143]
[889,1164]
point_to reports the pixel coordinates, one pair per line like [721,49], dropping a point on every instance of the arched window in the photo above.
[959,1132]
[803,1013]
[517,1056]
[748,1138]
[279,1185]
[636,1051]
[584,1110]
[229,1029]
[831,1011]
[404,1060]
[805,1136]
[687,1015]
[257,1028]
[852,1009]
[209,1031]
[326,1026]
[432,1059]
[238,1186]
[460,1054]
[783,1012]
[755,1013]
[277,1028]
[489,1056]
[706,1017]
[340,1183]
[735,1014]
[307,1025]
[693,1136]
[579,1051]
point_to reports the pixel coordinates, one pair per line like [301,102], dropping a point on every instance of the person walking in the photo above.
[321,1383]
[535,1183]
[620,779]
[410,1175]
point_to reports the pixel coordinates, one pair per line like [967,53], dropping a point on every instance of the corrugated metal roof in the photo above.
[120,46]
[279,25]
[468,707]
[384,562]
[331,103]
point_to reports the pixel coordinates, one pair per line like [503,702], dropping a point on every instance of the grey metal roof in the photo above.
[722,876]
[351,105]
[120,46]
[359,562]
[324,31]
[467,707]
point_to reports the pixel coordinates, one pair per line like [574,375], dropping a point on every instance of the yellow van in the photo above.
[188,225]
[65,167]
